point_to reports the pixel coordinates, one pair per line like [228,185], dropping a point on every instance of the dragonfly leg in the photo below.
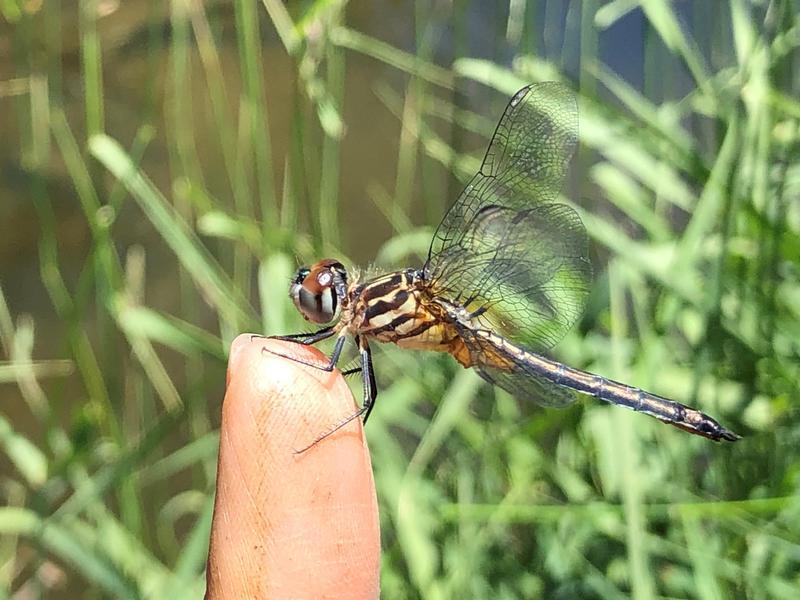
[332,430]
[321,335]
[301,338]
[370,387]
[353,371]
[370,393]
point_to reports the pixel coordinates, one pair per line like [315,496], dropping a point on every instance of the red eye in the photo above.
[313,290]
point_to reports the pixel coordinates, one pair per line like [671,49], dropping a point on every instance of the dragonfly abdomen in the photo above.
[637,399]
[614,392]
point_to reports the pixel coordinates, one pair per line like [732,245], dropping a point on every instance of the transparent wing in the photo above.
[514,376]
[505,250]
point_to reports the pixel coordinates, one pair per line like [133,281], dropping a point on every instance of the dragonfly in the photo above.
[506,276]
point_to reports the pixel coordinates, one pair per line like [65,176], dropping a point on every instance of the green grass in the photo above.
[167,228]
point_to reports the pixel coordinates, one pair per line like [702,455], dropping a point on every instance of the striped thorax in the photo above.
[398,308]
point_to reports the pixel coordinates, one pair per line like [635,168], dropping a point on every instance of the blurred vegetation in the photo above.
[165,168]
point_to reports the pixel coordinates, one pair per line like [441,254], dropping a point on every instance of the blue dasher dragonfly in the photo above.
[507,275]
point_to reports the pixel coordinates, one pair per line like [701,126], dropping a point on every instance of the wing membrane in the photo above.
[505,249]
[515,377]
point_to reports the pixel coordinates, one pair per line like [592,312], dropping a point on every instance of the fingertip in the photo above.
[241,343]
[285,522]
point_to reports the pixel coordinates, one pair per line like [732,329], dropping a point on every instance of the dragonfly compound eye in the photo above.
[314,294]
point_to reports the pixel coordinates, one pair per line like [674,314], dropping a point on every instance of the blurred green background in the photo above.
[165,166]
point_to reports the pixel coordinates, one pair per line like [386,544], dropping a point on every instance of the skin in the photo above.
[290,525]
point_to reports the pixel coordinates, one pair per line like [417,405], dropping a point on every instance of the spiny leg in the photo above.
[330,365]
[352,371]
[368,401]
[300,338]
[370,387]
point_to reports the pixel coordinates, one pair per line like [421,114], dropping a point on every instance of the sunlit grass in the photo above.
[689,191]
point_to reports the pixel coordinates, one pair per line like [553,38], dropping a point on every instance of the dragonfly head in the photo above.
[318,291]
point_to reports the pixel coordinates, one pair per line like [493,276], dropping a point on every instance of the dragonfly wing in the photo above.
[528,387]
[503,369]
[526,161]
[506,250]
